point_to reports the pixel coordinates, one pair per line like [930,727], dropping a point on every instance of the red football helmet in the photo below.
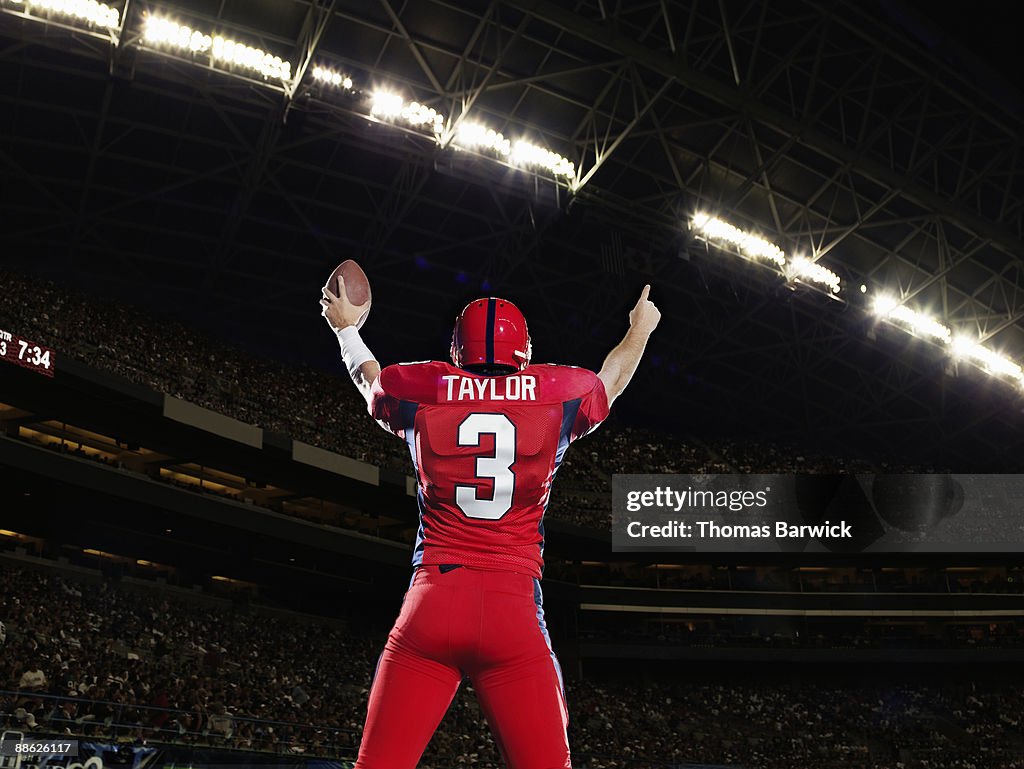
[491,332]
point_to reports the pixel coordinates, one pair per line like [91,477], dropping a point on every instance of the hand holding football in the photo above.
[346,296]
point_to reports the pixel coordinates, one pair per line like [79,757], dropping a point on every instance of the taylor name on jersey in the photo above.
[508,388]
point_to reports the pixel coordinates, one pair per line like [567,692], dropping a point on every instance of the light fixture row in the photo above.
[222,52]
[161,32]
[886,307]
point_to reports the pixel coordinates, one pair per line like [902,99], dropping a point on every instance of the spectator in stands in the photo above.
[25,719]
[33,679]
[220,723]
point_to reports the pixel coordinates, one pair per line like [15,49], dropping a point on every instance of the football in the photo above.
[356,286]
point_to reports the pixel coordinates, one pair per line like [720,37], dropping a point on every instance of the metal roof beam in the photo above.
[317,19]
[741,100]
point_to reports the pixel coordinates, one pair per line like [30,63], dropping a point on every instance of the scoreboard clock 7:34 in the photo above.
[21,352]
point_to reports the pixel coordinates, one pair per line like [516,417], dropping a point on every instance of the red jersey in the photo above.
[485,450]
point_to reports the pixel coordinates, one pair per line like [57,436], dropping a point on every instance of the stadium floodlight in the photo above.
[247,57]
[525,153]
[749,244]
[417,114]
[884,304]
[805,269]
[329,76]
[473,135]
[386,105]
[988,360]
[916,323]
[160,31]
[90,11]
[166,32]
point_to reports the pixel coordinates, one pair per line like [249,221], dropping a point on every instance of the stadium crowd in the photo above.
[144,665]
[322,409]
[789,579]
[745,633]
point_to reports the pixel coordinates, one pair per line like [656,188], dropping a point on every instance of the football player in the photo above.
[486,433]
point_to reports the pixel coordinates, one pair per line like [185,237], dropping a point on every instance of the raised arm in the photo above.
[341,316]
[622,361]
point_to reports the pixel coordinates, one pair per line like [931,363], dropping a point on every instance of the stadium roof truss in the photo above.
[823,127]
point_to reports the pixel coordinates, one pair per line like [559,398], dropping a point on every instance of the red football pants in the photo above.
[488,626]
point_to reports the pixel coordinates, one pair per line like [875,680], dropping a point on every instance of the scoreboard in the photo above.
[21,352]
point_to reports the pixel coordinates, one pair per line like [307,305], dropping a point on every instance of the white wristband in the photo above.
[353,350]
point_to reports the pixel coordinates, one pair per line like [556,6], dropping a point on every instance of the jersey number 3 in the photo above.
[497,467]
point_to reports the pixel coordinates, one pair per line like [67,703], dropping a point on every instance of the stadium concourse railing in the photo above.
[119,732]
